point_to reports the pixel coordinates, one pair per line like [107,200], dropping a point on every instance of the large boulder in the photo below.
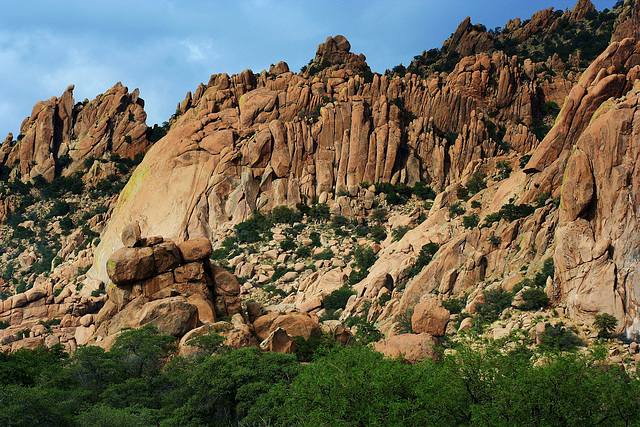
[195,249]
[128,265]
[430,317]
[173,316]
[412,348]
[295,324]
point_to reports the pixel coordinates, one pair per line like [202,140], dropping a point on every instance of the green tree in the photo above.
[606,324]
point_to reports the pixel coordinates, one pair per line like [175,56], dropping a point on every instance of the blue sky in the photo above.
[166,48]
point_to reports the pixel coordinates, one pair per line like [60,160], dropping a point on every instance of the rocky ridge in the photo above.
[249,143]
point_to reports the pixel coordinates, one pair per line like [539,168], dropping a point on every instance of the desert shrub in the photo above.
[315,239]
[399,232]
[303,251]
[512,212]
[379,214]
[504,169]
[320,212]
[476,204]
[534,299]
[524,159]
[496,301]
[362,230]
[254,229]
[455,305]
[476,183]
[288,244]
[559,338]
[366,332]
[423,191]
[378,232]
[425,256]
[456,209]
[462,193]
[325,254]
[541,200]
[494,240]
[338,221]
[384,299]
[470,221]
[606,324]
[403,322]
[338,298]
[284,215]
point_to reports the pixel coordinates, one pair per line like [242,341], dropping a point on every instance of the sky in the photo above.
[168,47]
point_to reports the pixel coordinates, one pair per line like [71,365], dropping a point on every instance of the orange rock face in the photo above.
[112,123]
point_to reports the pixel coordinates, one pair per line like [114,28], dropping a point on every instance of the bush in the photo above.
[476,183]
[284,215]
[325,254]
[504,169]
[535,299]
[379,214]
[496,301]
[606,324]
[303,251]
[338,221]
[462,193]
[456,209]
[338,299]
[476,204]
[399,232]
[378,232]
[471,220]
[455,305]
[320,212]
[423,191]
[512,212]
[425,256]
[287,244]
[559,338]
[494,240]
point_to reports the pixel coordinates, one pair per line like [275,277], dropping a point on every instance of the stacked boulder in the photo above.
[173,286]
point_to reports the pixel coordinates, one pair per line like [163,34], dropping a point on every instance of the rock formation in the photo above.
[60,134]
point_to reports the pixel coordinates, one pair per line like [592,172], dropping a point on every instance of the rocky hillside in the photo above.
[489,195]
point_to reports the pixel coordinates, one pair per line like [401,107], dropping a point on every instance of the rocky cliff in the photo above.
[530,196]
[60,134]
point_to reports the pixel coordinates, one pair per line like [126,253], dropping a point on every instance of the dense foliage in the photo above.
[139,382]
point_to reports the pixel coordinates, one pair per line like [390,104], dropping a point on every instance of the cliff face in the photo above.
[251,142]
[247,143]
[60,134]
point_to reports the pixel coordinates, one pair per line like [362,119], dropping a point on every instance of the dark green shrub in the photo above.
[524,159]
[606,324]
[320,212]
[512,212]
[362,230]
[425,256]
[379,214]
[559,338]
[462,193]
[366,331]
[494,240]
[338,221]
[378,232]
[315,239]
[476,204]
[455,305]
[456,209]
[384,299]
[504,169]
[534,299]
[325,254]
[470,221]
[476,183]
[496,301]
[403,322]
[303,251]
[423,191]
[338,298]
[399,232]
[284,215]
[287,244]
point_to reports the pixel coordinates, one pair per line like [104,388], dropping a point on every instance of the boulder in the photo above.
[166,256]
[195,249]
[279,341]
[131,235]
[430,317]
[295,324]
[413,348]
[128,265]
[172,316]
[191,272]
[224,282]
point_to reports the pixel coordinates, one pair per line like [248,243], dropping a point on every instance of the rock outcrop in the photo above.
[60,134]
